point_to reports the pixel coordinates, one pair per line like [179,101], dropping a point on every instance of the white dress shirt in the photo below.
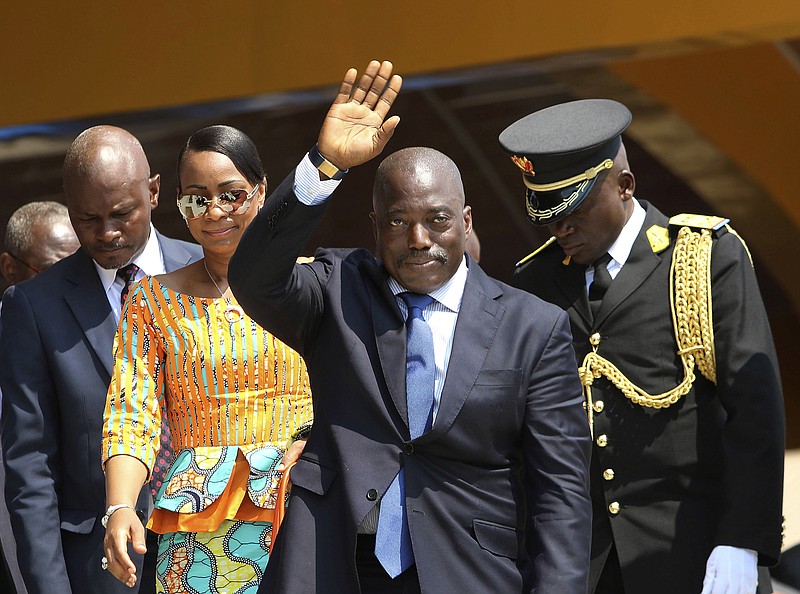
[150,262]
[441,316]
[308,187]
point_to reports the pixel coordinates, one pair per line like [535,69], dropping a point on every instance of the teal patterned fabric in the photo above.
[262,486]
[198,476]
[230,560]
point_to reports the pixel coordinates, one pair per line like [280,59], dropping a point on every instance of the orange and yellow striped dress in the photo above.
[234,395]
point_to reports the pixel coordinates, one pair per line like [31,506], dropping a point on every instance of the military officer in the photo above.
[676,358]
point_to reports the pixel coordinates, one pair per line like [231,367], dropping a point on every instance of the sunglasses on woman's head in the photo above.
[192,206]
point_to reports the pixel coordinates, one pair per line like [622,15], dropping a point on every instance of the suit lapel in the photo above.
[476,328]
[174,254]
[640,265]
[390,336]
[89,304]
[572,285]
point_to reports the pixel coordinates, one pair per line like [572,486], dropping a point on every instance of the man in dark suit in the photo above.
[457,467]
[56,359]
[679,369]
[38,235]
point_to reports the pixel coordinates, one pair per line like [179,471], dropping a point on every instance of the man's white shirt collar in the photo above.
[150,262]
[622,247]
[620,251]
[449,294]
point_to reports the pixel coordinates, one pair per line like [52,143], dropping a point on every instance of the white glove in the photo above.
[731,570]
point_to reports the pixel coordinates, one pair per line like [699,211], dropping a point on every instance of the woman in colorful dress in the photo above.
[234,397]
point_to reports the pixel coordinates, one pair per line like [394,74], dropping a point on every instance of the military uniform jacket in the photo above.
[670,484]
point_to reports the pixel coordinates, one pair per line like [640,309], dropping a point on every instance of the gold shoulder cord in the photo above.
[690,301]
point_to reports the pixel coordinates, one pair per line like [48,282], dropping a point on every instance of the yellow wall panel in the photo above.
[72,59]
[739,99]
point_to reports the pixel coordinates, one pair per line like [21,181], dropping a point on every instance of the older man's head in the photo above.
[38,235]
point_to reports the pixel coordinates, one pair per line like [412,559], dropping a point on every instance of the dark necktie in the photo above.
[127,274]
[392,539]
[600,283]
[164,458]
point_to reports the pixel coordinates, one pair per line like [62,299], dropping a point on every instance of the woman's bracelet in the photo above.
[110,511]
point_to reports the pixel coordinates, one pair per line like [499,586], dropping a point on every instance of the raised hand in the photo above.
[356,129]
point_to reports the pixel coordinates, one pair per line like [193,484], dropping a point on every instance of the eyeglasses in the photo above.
[24,263]
[192,206]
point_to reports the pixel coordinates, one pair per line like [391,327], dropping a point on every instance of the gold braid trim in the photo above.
[690,291]
[692,320]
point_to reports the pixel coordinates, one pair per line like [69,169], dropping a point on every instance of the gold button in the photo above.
[602,440]
[608,474]
[613,508]
[584,405]
[594,339]
[599,406]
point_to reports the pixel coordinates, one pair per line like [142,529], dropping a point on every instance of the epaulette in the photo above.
[696,221]
[535,252]
[711,223]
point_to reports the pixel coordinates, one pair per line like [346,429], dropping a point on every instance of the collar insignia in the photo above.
[658,237]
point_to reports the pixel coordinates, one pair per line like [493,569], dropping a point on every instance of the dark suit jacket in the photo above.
[707,470]
[55,366]
[10,578]
[497,491]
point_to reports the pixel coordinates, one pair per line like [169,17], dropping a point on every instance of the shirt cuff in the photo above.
[308,187]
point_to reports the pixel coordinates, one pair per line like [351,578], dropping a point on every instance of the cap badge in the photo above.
[524,164]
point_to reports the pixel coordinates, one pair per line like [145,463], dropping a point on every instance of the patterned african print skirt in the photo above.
[230,560]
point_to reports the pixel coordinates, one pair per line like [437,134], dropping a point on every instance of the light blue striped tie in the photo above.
[392,540]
